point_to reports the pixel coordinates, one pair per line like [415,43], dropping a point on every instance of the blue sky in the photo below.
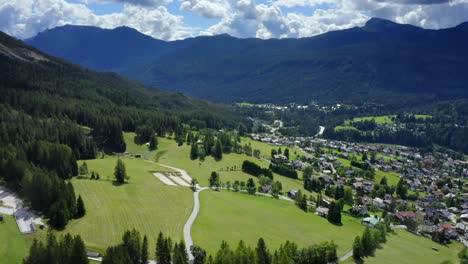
[178,19]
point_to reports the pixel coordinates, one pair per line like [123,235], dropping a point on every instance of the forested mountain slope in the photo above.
[53,113]
[380,61]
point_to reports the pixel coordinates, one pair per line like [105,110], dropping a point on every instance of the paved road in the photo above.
[188,225]
[321,129]
[346,256]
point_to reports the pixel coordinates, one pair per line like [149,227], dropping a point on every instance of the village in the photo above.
[424,193]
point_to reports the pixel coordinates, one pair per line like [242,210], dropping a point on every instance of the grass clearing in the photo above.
[338,128]
[423,116]
[169,153]
[145,204]
[14,246]
[385,119]
[265,148]
[132,147]
[404,247]
[233,216]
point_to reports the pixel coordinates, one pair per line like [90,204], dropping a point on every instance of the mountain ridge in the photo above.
[348,65]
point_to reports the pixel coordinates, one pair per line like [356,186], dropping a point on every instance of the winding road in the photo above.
[196,208]
[188,225]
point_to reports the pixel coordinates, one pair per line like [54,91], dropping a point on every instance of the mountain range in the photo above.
[380,62]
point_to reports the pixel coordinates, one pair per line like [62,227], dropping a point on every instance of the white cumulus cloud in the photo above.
[25,18]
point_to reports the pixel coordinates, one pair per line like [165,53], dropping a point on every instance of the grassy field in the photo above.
[423,116]
[392,177]
[144,203]
[385,119]
[338,128]
[14,246]
[131,146]
[169,153]
[404,247]
[234,216]
[265,148]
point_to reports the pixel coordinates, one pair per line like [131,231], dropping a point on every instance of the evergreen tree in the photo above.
[80,208]
[194,151]
[120,172]
[303,203]
[78,254]
[251,189]
[163,250]
[364,156]
[273,152]
[218,151]
[180,254]
[358,252]
[199,254]
[144,251]
[116,255]
[286,153]
[334,213]
[214,179]
[131,243]
[83,169]
[262,253]
[153,142]
[383,181]
[367,242]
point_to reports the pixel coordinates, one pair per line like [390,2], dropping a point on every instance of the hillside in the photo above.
[82,95]
[380,61]
[53,113]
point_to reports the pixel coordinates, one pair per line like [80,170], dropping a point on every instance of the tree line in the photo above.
[133,249]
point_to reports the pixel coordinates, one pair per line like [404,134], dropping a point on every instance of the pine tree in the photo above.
[78,254]
[286,153]
[367,242]
[180,254]
[383,181]
[199,254]
[194,151]
[357,248]
[262,253]
[80,208]
[144,251]
[303,203]
[153,142]
[120,172]
[214,179]
[251,189]
[163,250]
[218,151]
[131,243]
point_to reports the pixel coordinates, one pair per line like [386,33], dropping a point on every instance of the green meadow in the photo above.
[13,245]
[407,248]
[169,153]
[144,203]
[234,216]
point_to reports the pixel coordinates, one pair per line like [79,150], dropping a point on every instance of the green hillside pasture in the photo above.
[265,148]
[132,147]
[385,119]
[392,177]
[144,203]
[406,248]
[169,153]
[233,216]
[13,245]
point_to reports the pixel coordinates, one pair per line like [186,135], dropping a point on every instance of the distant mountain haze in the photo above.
[380,61]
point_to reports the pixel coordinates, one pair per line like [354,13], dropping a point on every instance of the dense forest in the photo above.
[53,113]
